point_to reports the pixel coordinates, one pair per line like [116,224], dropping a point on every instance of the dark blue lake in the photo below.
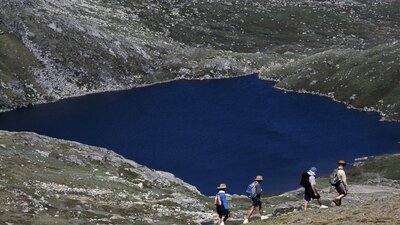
[214,131]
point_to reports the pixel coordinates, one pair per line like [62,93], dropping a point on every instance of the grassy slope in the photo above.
[384,211]
[50,181]
[362,78]
[386,166]
[95,46]
[112,44]
[16,65]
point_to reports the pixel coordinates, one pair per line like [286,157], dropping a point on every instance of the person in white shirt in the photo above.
[310,191]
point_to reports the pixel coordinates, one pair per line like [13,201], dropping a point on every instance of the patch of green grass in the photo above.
[386,166]
[360,78]
[281,199]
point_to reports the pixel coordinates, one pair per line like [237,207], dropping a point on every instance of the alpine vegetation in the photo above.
[50,181]
[57,49]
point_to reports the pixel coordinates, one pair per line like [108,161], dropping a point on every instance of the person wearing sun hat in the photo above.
[342,188]
[256,199]
[310,191]
[222,204]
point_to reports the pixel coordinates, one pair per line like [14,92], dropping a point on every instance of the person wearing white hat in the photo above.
[222,204]
[255,195]
[310,191]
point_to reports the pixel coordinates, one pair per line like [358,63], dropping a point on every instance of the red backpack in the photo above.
[217,200]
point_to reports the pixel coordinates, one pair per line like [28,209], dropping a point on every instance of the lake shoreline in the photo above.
[349,106]
[206,77]
[135,86]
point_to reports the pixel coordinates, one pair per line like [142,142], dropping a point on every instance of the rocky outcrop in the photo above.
[46,180]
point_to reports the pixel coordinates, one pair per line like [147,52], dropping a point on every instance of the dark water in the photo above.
[208,132]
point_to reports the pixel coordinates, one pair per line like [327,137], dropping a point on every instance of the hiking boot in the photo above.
[245,221]
[323,207]
[264,217]
[336,201]
[340,201]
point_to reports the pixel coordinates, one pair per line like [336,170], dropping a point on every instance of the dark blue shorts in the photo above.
[309,194]
[222,211]
[256,201]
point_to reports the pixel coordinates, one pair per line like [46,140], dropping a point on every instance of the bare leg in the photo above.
[260,209]
[219,219]
[251,210]
[305,205]
[340,196]
[319,202]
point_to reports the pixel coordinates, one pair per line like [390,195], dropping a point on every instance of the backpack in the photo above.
[217,200]
[305,180]
[251,190]
[333,178]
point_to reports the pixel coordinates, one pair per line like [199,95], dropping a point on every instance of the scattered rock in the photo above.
[287,207]
[59,181]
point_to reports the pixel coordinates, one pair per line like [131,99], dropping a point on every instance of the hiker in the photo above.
[254,191]
[341,186]
[310,188]
[222,204]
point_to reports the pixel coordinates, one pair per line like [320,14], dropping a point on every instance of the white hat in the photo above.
[221,186]
[259,178]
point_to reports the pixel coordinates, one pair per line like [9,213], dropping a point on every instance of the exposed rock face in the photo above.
[45,180]
[79,47]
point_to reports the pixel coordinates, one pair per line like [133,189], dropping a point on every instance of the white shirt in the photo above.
[312,180]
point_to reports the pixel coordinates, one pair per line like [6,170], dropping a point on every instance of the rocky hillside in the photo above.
[55,49]
[381,210]
[374,198]
[367,79]
[49,181]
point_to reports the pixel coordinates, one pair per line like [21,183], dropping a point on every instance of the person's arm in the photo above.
[314,188]
[343,179]
[313,184]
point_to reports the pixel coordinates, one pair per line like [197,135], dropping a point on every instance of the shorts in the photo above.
[256,201]
[309,194]
[340,189]
[222,211]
